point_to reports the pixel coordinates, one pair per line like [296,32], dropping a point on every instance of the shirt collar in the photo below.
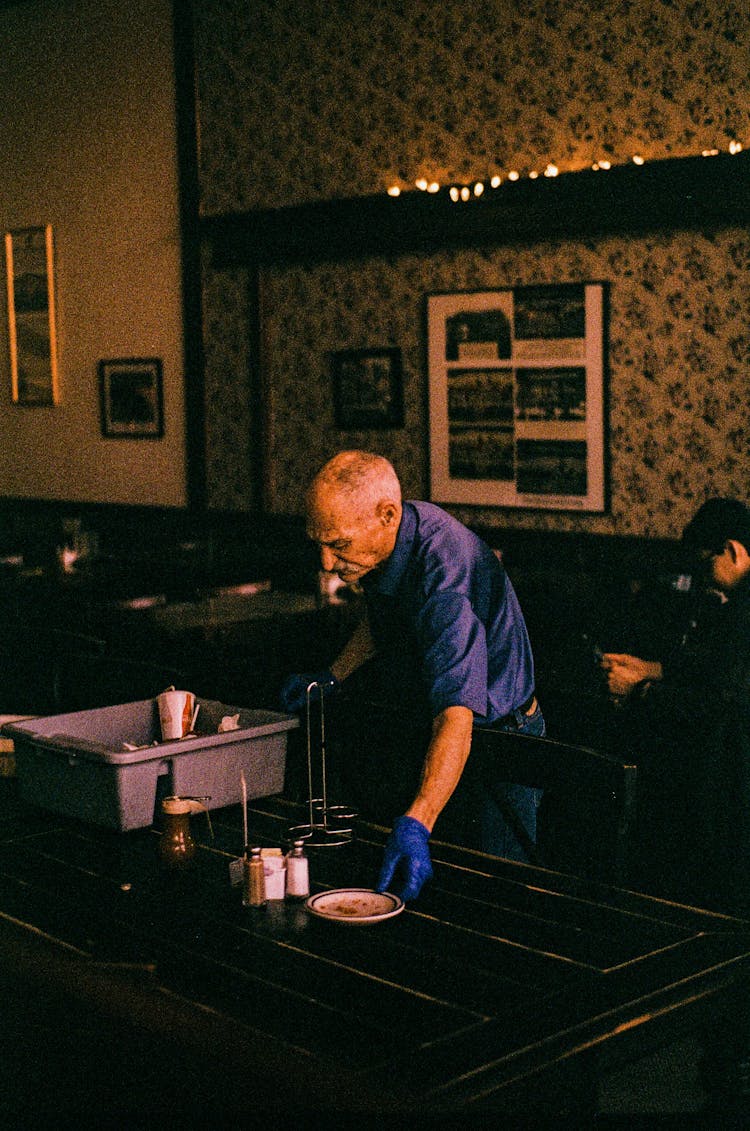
[386,577]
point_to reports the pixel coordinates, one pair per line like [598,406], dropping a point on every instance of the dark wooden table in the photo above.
[131,991]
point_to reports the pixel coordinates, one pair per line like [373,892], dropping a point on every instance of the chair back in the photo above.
[586,820]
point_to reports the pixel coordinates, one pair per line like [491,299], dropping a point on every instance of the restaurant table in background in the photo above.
[69,644]
[132,991]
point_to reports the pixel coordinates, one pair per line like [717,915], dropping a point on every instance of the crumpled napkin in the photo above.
[229,722]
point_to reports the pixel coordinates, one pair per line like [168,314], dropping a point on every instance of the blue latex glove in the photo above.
[294,689]
[407,846]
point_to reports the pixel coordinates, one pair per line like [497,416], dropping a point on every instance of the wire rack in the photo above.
[327,825]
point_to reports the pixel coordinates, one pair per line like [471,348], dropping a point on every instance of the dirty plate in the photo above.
[357,906]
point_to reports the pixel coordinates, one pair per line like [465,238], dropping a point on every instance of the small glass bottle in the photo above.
[176,847]
[253,880]
[297,872]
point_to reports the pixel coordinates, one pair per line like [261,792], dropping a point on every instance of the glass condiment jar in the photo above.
[177,847]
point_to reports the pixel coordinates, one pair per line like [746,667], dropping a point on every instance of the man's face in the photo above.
[351,542]
[722,570]
[721,567]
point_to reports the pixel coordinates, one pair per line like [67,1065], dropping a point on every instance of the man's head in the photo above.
[354,512]
[719,533]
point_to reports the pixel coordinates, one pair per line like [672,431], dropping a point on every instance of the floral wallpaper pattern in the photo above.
[228,414]
[310,99]
[307,99]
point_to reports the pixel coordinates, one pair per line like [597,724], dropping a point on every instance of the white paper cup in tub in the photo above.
[176,713]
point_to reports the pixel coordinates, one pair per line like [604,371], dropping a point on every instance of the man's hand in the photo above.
[293,695]
[407,846]
[625,673]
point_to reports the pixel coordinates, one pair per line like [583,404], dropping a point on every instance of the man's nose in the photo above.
[327,559]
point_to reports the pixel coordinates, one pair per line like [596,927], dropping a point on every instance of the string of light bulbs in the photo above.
[463,192]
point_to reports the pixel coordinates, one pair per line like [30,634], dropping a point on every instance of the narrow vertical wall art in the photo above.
[29,262]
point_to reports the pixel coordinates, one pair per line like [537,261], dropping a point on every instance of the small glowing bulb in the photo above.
[605,164]
[394,190]
[478,188]
[433,186]
[551,170]
[709,152]
[596,166]
[465,193]
[637,159]
[496,181]
[533,175]
[735,147]
[454,193]
[421,184]
[513,175]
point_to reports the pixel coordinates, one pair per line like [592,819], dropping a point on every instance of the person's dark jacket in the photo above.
[692,731]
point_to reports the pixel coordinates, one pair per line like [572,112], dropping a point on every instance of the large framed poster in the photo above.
[517,397]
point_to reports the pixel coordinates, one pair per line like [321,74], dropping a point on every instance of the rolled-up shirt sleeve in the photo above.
[454,650]
[446,619]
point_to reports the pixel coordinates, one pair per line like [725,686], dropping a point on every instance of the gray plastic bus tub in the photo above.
[76,764]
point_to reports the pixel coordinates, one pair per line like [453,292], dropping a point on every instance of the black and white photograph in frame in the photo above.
[517,397]
[131,398]
[368,388]
[29,266]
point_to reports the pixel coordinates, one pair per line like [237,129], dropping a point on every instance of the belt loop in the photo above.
[518,714]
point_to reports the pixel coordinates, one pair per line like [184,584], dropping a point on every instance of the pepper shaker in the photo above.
[253,880]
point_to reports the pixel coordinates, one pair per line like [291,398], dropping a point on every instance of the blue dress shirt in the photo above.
[446,620]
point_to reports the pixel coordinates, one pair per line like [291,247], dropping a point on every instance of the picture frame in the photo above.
[368,388]
[518,397]
[131,398]
[32,333]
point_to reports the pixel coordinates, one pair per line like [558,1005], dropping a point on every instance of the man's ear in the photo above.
[740,555]
[387,512]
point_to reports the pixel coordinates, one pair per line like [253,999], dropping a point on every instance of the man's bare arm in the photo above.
[358,649]
[444,763]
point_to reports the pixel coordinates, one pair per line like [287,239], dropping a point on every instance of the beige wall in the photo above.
[302,100]
[88,144]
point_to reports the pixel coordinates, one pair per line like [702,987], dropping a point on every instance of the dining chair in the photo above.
[586,821]
[587,817]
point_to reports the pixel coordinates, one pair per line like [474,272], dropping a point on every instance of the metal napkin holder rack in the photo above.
[327,825]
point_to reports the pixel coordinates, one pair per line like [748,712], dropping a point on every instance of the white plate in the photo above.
[355,906]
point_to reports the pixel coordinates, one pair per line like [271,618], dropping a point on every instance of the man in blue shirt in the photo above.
[440,607]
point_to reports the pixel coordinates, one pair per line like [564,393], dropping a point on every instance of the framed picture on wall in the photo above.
[368,388]
[131,398]
[517,397]
[29,267]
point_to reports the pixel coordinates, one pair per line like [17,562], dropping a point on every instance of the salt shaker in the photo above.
[253,880]
[297,872]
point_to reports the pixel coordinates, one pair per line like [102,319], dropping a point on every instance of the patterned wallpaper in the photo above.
[307,99]
[228,411]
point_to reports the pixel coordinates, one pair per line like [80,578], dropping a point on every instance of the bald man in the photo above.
[442,616]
